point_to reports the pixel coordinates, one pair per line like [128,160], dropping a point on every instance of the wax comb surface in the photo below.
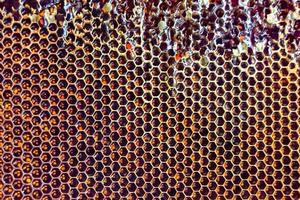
[157,99]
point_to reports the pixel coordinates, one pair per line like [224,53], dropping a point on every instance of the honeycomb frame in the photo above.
[160,99]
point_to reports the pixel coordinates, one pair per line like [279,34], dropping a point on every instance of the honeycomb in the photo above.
[140,99]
